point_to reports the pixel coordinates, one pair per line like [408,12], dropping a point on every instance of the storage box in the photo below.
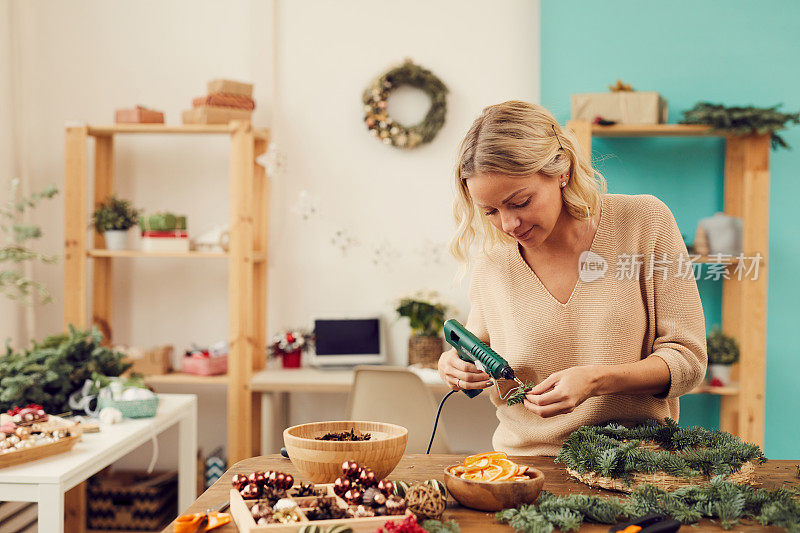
[623,107]
[214,115]
[165,241]
[156,360]
[230,87]
[138,115]
[128,500]
[206,366]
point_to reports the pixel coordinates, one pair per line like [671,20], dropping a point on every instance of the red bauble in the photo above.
[238,481]
[250,491]
[386,487]
[353,496]
[368,478]
[341,485]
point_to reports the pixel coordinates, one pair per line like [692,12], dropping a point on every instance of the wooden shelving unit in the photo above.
[247,278]
[744,303]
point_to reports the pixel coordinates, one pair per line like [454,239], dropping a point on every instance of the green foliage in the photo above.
[48,372]
[742,120]
[435,526]
[14,248]
[114,214]
[519,395]
[615,451]
[722,349]
[165,221]
[722,500]
[424,312]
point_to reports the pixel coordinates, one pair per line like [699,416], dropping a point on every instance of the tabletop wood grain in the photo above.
[771,475]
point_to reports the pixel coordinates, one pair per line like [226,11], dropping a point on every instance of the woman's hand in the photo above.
[562,391]
[459,374]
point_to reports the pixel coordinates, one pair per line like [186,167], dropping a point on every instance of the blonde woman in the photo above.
[586,294]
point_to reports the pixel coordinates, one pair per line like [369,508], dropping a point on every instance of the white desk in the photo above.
[274,385]
[45,481]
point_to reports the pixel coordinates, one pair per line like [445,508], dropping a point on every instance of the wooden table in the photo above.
[420,467]
[45,481]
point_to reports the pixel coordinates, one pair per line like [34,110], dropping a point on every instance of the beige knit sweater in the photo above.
[621,317]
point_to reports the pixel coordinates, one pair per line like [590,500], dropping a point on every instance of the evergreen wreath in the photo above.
[620,458]
[387,129]
[720,499]
[742,120]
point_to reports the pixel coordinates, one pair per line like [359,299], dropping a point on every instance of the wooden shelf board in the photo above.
[718,391]
[180,378]
[103,131]
[257,256]
[654,130]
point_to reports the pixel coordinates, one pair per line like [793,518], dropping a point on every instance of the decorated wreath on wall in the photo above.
[387,129]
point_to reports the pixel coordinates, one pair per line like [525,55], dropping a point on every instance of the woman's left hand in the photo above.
[563,391]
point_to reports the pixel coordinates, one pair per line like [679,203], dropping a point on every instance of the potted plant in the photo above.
[113,218]
[290,346]
[723,351]
[425,313]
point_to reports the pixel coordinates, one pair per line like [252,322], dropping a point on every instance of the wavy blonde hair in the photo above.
[519,139]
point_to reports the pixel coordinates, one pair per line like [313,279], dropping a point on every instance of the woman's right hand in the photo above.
[459,374]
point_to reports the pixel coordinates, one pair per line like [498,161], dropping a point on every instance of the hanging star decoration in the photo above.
[342,240]
[306,206]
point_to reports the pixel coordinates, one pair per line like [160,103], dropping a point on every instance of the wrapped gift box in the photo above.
[230,87]
[623,107]
[138,115]
[165,241]
[154,361]
[207,114]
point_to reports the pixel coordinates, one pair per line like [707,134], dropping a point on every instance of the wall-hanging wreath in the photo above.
[387,129]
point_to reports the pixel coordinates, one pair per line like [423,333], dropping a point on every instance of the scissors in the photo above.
[211,519]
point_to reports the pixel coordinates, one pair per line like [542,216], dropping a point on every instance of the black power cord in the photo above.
[436,420]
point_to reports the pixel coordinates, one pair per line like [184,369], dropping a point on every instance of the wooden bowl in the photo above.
[321,460]
[494,495]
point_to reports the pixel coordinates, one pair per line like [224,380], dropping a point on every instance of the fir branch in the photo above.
[519,395]
[742,120]
[723,500]
[436,526]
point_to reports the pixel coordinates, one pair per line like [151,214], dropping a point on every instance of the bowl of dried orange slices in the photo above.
[491,481]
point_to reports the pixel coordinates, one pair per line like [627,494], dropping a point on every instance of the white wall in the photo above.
[85,58]
[394,201]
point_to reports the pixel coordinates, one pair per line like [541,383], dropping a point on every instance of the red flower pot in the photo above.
[291,359]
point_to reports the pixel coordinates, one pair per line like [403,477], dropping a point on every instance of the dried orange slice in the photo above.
[507,470]
[486,455]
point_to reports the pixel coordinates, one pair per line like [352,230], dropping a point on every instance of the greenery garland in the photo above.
[614,451]
[387,129]
[742,120]
[728,502]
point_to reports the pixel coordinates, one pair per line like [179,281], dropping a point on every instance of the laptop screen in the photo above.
[347,337]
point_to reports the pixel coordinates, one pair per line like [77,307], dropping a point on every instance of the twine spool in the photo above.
[425,501]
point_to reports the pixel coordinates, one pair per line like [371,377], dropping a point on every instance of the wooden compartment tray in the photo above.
[240,510]
[38,452]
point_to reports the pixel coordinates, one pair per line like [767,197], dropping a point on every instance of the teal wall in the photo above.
[735,53]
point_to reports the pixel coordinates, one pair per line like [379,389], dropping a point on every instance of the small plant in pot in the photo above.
[425,312]
[113,218]
[289,346]
[723,351]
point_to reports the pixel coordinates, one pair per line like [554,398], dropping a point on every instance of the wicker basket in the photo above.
[145,408]
[424,351]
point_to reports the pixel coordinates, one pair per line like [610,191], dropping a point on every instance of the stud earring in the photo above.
[563,184]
